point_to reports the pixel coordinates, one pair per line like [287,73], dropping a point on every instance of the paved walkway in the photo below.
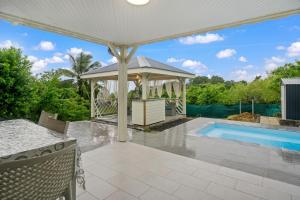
[125,171]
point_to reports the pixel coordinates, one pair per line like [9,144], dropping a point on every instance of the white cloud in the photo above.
[248,67]
[39,65]
[196,66]
[32,58]
[175,60]
[294,49]
[226,53]
[277,59]
[243,59]
[8,43]
[240,75]
[74,51]
[273,63]
[201,39]
[280,47]
[54,59]
[58,54]
[45,46]
[112,60]
[66,57]
[246,75]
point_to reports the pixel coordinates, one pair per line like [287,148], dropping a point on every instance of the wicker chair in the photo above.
[49,121]
[47,177]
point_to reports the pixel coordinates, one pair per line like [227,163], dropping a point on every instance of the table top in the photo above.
[22,138]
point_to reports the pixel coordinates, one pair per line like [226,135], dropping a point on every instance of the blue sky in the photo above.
[238,53]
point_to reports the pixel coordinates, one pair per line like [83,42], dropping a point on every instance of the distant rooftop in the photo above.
[139,63]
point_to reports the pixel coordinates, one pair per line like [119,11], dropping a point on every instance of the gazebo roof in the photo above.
[137,66]
[121,23]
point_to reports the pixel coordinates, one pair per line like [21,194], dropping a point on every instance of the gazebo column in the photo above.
[183,97]
[123,58]
[93,84]
[144,86]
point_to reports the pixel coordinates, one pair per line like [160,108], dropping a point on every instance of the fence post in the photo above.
[240,107]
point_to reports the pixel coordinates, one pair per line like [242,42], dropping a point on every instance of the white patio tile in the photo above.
[99,188]
[101,172]
[263,192]
[250,178]
[281,186]
[208,166]
[160,183]
[120,195]
[188,180]
[154,166]
[154,194]
[129,169]
[86,196]
[179,166]
[128,184]
[189,193]
[227,193]
[216,178]
[134,171]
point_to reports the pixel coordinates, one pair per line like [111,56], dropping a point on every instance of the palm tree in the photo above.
[79,65]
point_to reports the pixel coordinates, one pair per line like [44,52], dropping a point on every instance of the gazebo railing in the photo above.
[178,102]
[104,104]
[103,108]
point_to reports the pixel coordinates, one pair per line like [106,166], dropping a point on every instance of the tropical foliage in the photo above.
[203,90]
[23,95]
[79,65]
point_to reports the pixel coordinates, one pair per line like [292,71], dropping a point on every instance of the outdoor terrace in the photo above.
[174,164]
[132,171]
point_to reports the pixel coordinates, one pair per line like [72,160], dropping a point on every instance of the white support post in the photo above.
[123,59]
[144,86]
[122,96]
[183,97]
[93,83]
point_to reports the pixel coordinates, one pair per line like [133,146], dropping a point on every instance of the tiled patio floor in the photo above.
[124,171]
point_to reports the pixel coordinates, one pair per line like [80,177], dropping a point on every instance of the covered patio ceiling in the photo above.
[123,26]
[121,23]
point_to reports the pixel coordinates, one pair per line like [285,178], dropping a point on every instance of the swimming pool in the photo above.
[268,137]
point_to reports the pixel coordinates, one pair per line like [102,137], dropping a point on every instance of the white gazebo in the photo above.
[123,25]
[149,107]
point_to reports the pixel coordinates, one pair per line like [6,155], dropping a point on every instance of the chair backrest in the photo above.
[49,121]
[45,114]
[45,177]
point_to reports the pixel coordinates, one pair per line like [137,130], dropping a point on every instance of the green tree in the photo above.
[216,79]
[15,84]
[199,80]
[79,65]
[58,97]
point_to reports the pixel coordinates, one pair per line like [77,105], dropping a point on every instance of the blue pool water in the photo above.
[269,137]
